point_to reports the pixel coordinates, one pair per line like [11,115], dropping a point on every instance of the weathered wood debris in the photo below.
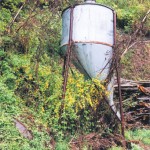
[136,101]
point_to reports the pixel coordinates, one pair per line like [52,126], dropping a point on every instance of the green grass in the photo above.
[136,147]
[11,139]
[116,148]
[142,135]
[139,134]
[63,145]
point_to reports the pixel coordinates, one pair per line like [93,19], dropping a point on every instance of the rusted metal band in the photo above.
[92,42]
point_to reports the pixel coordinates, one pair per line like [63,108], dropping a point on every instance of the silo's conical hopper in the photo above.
[93,32]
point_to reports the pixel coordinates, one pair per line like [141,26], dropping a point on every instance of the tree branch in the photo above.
[11,23]
[132,42]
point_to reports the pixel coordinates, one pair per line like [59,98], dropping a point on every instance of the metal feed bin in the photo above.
[89,29]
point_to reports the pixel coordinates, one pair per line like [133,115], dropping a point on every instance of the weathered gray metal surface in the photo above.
[93,58]
[91,24]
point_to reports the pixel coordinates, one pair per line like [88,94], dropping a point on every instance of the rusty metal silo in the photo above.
[89,30]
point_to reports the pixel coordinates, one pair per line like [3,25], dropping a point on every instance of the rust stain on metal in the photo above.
[92,42]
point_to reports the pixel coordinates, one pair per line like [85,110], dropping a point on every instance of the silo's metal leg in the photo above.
[65,72]
[67,59]
[120,99]
[68,56]
[64,78]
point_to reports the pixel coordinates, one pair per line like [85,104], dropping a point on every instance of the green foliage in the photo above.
[126,61]
[5,17]
[62,146]
[11,139]
[136,147]
[12,106]
[116,148]
[139,134]
[128,12]
[42,93]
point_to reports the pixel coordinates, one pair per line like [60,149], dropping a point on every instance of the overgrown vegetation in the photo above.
[31,75]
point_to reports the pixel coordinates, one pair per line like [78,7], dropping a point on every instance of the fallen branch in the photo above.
[26,21]
[29,17]
[11,23]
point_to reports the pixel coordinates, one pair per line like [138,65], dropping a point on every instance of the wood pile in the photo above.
[136,101]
